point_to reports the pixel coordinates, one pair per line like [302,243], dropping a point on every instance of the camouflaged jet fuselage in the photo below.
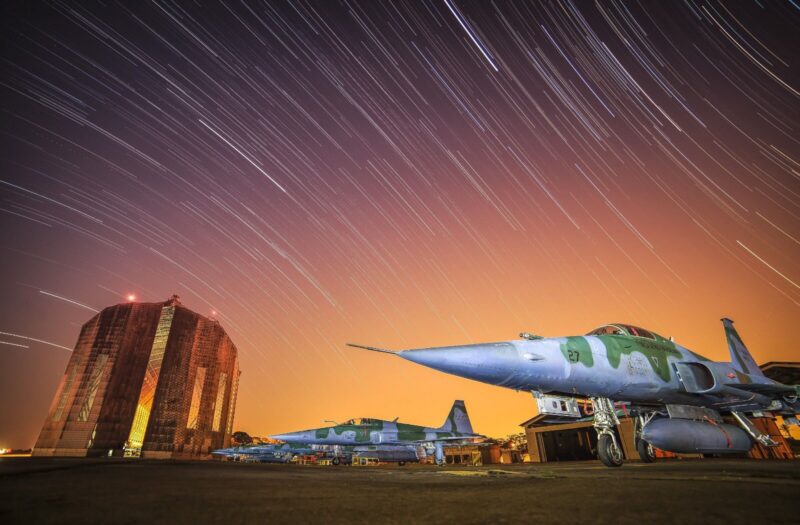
[369,431]
[677,396]
[616,361]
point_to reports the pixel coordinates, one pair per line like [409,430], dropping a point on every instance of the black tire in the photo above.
[645,450]
[336,461]
[401,463]
[609,453]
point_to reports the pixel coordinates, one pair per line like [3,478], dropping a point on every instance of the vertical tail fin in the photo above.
[457,420]
[740,355]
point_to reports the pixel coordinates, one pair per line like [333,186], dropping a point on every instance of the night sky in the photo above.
[394,174]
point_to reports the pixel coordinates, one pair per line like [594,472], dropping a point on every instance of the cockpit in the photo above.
[624,329]
[360,421]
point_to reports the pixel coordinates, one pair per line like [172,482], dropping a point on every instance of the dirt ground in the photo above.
[34,490]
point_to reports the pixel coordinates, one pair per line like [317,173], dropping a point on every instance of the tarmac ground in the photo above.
[54,490]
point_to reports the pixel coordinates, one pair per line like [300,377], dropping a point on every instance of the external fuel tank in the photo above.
[387,453]
[685,436]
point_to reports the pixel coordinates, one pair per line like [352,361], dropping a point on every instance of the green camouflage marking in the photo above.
[577,350]
[733,337]
[406,432]
[451,418]
[655,352]
[361,431]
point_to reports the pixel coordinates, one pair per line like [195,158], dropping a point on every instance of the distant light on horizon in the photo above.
[131,298]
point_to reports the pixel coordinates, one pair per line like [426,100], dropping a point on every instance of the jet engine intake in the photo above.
[696,378]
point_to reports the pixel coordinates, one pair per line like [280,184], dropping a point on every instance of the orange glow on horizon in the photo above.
[383,178]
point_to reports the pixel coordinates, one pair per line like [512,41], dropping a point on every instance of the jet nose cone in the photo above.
[482,362]
[433,357]
[289,437]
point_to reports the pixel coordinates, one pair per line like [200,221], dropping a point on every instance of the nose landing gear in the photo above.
[609,450]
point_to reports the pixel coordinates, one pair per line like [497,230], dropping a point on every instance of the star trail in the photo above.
[403,174]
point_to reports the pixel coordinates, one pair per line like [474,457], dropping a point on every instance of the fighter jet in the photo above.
[277,453]
[677,396]
[391,440]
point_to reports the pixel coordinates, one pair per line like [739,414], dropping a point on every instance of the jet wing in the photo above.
[770,389]
[454,438]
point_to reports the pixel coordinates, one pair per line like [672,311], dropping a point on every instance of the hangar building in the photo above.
[145,379]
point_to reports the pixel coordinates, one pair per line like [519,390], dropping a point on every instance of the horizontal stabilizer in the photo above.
[472,435]
[371,348]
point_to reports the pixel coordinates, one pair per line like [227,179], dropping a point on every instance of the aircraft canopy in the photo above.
[625,329]
[360,421]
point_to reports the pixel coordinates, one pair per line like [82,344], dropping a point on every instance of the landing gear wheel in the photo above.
[336,461]
[608,451]
[645,451]
[401,463]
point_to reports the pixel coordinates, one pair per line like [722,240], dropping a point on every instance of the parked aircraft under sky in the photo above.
[678,396]
[391,440]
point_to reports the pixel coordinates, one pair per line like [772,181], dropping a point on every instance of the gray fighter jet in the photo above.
[391,440]
[677,396]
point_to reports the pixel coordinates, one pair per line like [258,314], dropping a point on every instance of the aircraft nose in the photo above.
[444,359]
[437,358]
[289,437]
[482,362]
